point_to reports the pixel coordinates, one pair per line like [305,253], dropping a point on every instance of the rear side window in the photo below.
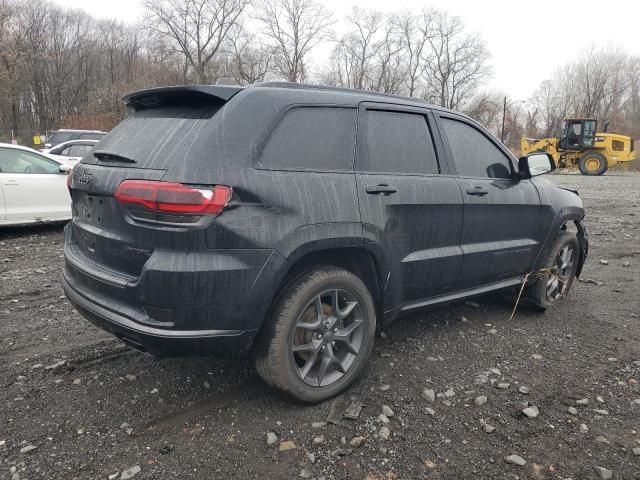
[473,153]
[312,138]
[399,142]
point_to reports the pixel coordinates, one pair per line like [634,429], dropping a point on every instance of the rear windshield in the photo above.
[155,137]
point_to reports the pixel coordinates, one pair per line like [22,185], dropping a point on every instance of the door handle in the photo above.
[382,189]
[480,191]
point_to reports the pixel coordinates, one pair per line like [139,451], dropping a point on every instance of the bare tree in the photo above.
[413,32]
[295,27]
[455,62]
[195,28]
[251,59]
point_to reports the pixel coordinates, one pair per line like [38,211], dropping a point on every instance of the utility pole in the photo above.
[504,115]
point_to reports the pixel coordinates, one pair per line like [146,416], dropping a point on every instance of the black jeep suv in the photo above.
[293,221]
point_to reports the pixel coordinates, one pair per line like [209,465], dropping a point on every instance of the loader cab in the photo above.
[578,134]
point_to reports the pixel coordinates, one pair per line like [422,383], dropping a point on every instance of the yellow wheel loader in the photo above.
[580,145]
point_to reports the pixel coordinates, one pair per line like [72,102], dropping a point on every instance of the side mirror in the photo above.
[65,169]
[536,163]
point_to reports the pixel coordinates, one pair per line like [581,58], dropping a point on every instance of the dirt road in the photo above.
[75,403]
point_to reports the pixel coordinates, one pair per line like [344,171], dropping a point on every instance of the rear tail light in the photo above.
[173,198]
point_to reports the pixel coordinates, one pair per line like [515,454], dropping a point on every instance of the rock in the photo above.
[531,412]
[77,381]
[56,366]
[486,427]
[636,451]
[319,440]
[36,366]
[492,331]
[472,304]
[318,424]
[124,426]
[382,418]
[602,439]
[429,395]
[604,262]
[495,371]
[113,476]
[573,410]
[515,460]
[464,319]
[272,438]
[449,393]
[387,411]
[384,433]
[536,356]
[206,385]
[287,445]
[447,403]
[601,411]
[130,472]
[524,390]
[582,401]
[430,411]
[129,431]
[130,377]
[626,264]
[503,386]
[356,442]
[304,473]
[603,473]
[481,400]
[385,387]
[28,448]
[636,402]
[599,399]
[584,428]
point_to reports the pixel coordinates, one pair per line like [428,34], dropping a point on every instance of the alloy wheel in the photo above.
[327,337]
[561,272]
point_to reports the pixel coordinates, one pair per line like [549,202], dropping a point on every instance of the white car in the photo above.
[33,187]
[70,152]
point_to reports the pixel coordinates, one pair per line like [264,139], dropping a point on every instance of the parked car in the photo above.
[70,152]
[64,135]
[33,187]
[293,221]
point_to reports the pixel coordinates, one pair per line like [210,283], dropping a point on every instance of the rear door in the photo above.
[34,188]
[409,210]
[501,234]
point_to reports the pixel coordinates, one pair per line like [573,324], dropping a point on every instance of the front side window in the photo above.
[399,142]
[312,138]
[474,155]
[20,161]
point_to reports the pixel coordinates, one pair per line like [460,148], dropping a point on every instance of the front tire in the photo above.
[592,163]
[560,266]
[320,335]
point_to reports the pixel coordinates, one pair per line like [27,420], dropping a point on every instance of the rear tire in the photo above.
[562,263]
[592,163]
[324,317]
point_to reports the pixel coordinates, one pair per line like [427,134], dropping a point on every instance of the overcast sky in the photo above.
[528,40]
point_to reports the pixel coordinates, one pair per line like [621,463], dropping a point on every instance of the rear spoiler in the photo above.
[155,97]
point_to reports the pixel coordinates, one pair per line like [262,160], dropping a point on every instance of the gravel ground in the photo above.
[75,403]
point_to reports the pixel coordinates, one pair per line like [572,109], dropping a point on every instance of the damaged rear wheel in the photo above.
[560,267]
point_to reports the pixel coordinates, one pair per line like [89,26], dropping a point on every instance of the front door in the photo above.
[500,234]
[408,209]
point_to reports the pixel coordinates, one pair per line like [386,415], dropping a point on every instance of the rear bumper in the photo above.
[157,341]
